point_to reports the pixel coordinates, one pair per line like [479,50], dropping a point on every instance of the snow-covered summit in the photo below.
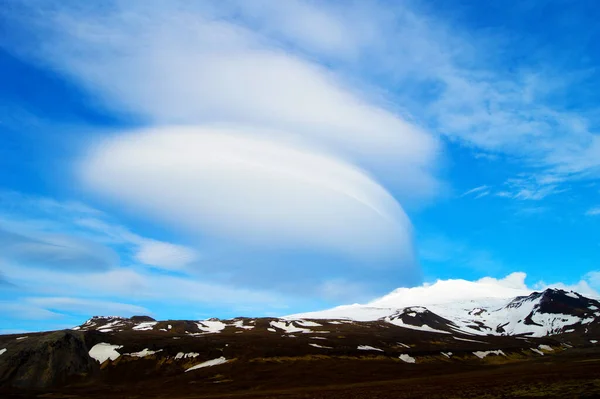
[483,307]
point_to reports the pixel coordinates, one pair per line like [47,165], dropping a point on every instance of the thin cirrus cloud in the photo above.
[161,254]
[85,306]
[255,63]
[43,232]
[439,75]
[55,251]
[123,284]
[593,211]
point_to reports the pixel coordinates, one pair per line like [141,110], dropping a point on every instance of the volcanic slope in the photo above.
[355,344]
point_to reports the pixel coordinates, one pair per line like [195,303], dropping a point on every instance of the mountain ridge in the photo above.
[117,350]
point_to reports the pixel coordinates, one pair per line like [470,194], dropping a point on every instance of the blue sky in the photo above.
[216,159]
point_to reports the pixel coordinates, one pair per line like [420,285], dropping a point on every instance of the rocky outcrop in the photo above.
[45,361]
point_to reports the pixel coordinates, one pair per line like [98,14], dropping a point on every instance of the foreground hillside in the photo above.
[533,345]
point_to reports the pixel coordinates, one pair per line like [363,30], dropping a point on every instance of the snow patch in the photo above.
[182,355]
[104,351]
[240,324]
[2,351]
[144,326]
[143,353]
[572,295]
[539,352]
[368,348]
[209,363]
[20,338]
[593,341]
[545,348]
[407,358]
[398,322]
[289,327]
[308,323]
[447,354]
[482,354]
[321,346]
[211,326]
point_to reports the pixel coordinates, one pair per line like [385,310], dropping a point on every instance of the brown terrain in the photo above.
[285,358]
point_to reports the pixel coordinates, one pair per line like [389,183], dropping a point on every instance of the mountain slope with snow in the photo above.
[485,307]
[427,329]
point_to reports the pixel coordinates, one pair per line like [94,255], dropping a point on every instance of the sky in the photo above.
[257,158]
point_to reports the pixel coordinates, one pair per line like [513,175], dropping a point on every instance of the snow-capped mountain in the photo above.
[538,314]
[422,327]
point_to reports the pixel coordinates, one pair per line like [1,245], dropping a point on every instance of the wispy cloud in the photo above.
[282,151]
[67,285]
[477,192]
[85,306]
[148,251]
[216,69]
[44,232]
[593,211]
[55,250]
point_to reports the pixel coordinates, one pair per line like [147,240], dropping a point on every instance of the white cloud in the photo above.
[585,286]
[194,64]
[475,101]
[151,252]
[17,201]
[48,233]
[224,64]
[457,290]
[262,192]
[593,211]
[314,27]
[86,306]
[165,255]
[594,278]
[448,291]
[532,187]
[53,250]
[256,63]
[99,290]
[477,192]
[175,67]
[15,310]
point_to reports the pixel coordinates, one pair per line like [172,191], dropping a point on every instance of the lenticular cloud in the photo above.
[255,190]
